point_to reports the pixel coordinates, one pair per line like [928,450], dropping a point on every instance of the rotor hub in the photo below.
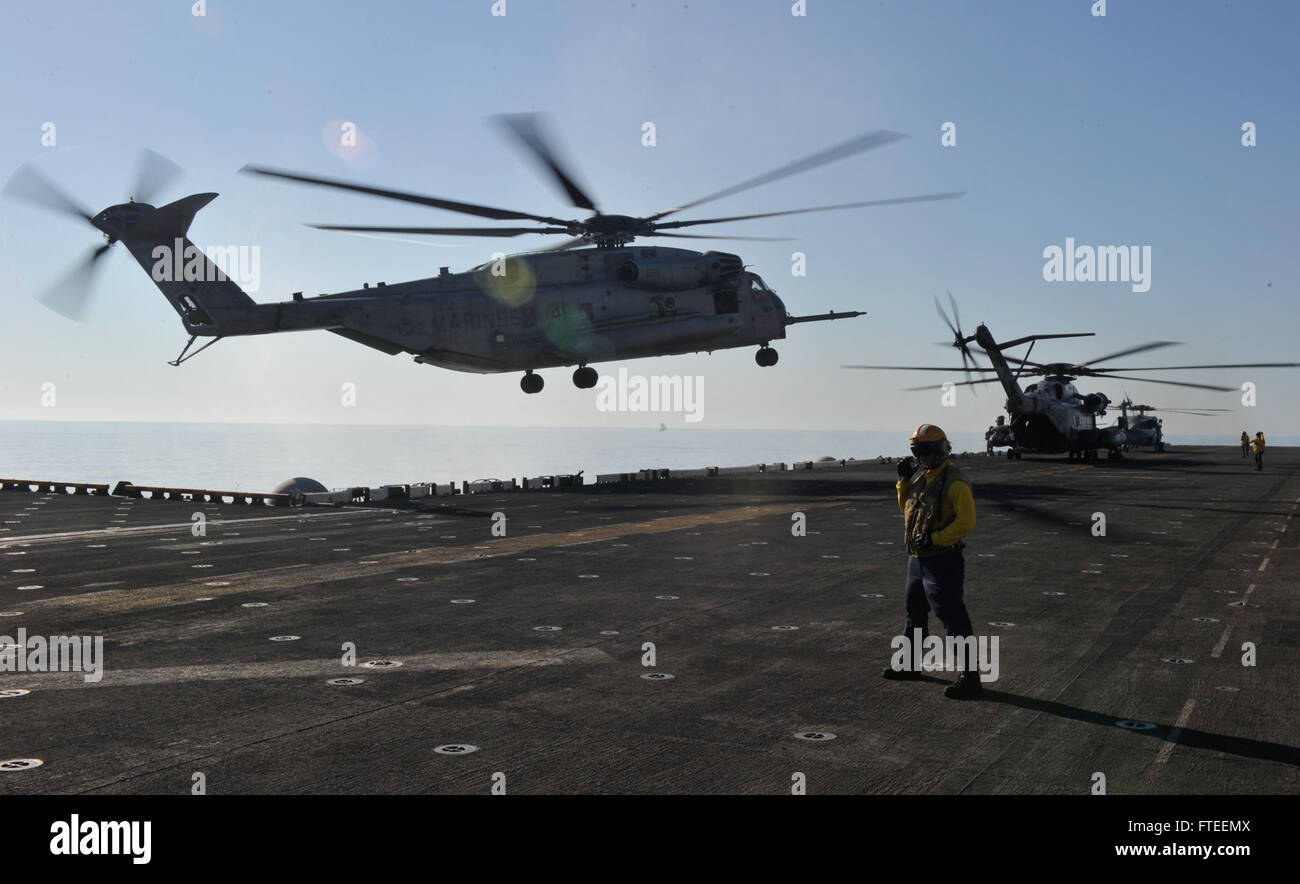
[116,221]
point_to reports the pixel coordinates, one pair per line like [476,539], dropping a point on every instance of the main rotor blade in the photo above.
[70,293]
[153,173]
[31,186]
[917,368]
[418,199]
[670,225]
[1141,348]
[570,244]
[831,154]
[527,128]
[1185,367]
[414,242]
[445,231]
[1172,383]
[1025,361]
[955,384]
[723,236]
[1027,338]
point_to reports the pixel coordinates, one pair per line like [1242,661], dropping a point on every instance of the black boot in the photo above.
[967,686]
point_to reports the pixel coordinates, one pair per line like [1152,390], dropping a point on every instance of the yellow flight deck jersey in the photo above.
[1257,443]
[947,519]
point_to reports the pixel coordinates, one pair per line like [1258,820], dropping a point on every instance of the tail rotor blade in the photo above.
[31,186]
[69,295]
[154,172]
[944,317]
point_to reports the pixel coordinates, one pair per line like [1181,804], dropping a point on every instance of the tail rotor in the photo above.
[959,341]
[71,292]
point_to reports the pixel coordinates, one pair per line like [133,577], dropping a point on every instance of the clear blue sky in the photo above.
[1116,130]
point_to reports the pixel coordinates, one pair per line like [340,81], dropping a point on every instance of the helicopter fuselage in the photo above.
[521,312]
[1052,416]
[1143,431]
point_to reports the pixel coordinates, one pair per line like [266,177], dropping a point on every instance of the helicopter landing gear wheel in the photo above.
[766,356]
[585,377]
[531,383]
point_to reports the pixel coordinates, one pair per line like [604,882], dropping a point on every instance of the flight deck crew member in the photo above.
[938,511]
[1258,444]
[1245,443]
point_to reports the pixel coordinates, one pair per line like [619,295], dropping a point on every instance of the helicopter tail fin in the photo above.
[206,299]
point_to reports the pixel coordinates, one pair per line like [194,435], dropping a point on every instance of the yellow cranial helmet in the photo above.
[930,445]
[927,433]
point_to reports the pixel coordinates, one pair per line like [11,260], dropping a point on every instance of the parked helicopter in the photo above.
[999,435]
[1052,416]
[564,306]
[1145,431]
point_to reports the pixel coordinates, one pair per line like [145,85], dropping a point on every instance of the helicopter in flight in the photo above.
[595,297]
[1145,431]
[1051,416]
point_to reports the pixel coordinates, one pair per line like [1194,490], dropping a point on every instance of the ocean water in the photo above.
[257,457]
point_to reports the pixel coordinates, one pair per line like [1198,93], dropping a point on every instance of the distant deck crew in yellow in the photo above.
[938,512]
[1245,443]
[1258,445]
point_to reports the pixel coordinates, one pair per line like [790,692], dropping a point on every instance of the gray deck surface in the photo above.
[703,569]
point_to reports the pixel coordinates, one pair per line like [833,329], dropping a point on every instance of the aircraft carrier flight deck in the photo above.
[524,657]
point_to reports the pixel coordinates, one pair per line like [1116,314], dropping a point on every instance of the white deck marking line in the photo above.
[1223,641]
[324,668]
[141,529]
[1168,748]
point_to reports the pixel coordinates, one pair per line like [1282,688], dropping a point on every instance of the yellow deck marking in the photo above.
[295,576]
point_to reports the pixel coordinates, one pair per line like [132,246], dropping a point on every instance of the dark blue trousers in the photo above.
[934,583]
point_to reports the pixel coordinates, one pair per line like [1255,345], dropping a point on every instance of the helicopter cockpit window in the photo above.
[761,293]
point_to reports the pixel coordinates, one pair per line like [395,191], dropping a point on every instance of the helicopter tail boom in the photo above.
[208,302]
